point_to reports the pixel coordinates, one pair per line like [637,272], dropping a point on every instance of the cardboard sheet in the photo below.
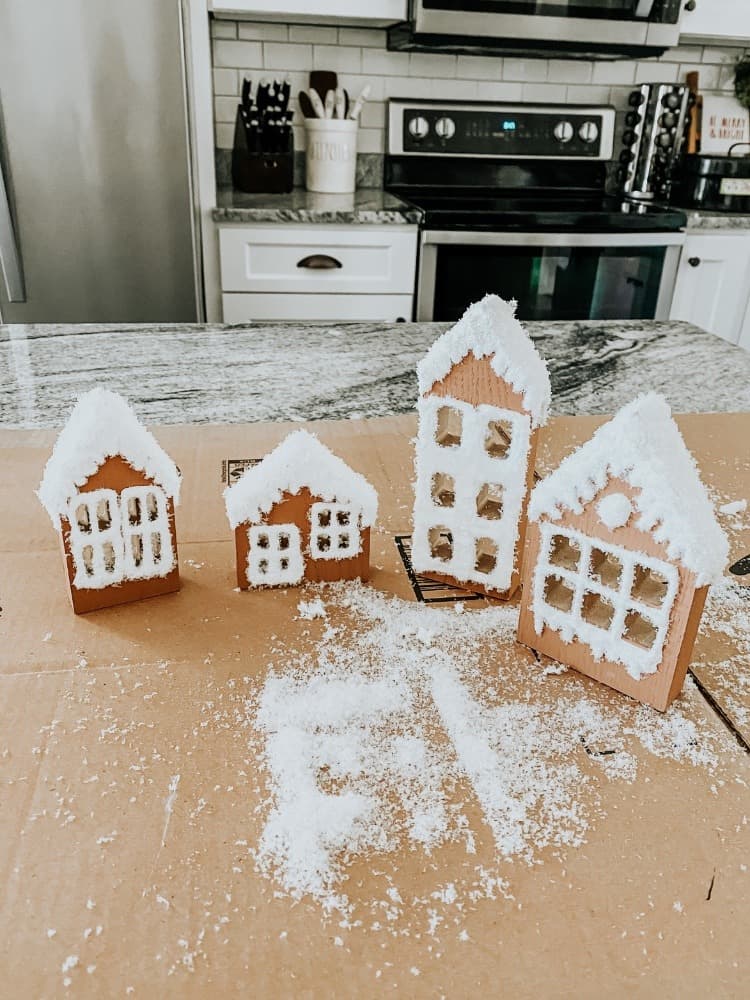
[130,789]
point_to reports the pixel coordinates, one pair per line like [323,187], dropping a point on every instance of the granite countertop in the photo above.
[238,374]
[367,206]
[700,219]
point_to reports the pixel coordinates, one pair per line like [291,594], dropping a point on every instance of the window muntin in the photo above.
[334,531]
[275,555]
[617,601]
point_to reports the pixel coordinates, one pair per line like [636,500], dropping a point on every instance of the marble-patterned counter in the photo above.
[237,374]
[698,219]
[367,206]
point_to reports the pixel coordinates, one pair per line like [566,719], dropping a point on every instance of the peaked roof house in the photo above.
[110,490]
[622,546]
[484,394]
[301,514]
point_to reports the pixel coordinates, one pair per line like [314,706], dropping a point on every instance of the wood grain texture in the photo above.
[658,689]
[117,474]
[294,508]
[473,381]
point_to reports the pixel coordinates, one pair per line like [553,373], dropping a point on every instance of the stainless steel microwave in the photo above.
[573,27]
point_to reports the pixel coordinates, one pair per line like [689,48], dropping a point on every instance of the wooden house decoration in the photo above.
[111,490]
[484,394]
[301,514]
[622,545]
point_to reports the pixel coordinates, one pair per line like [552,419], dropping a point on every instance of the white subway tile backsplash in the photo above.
[525,70]
[286,56]
[237,55]
[254,30]
[569,70]
[382,63]
[223,29]
[226,81]
[427,64]
[360,56]
[371,38]
[620,71]
[339,58]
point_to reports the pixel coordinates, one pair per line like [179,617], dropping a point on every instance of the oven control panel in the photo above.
[563,131]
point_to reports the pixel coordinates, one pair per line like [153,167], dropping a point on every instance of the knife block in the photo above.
[254,171]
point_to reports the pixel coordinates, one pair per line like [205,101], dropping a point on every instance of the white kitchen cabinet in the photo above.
[375,13]
[317,272]
[713,280]
[726,21]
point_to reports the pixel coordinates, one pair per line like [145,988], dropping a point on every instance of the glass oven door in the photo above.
[552,276]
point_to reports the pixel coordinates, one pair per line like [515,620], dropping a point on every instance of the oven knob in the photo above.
[563,131]
[589,131]
[445,128]
[419,127]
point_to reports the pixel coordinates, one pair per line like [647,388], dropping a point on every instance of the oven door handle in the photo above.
[434,237]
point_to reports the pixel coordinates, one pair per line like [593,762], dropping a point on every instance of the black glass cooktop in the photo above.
[540,212]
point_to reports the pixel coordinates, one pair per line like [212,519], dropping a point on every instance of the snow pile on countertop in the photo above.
[643,445]
[301,460]
[102,425]
[489,328]
[387,734]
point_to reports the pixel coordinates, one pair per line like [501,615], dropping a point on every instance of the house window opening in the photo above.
[134,510]
[485,555]
[262,542]
[558,594]
[443,490]
[498,438]
[639,630]
[82,519]
[152,507]
[283,541]
[88,559]
[649,586]
[490,501]
[103,515]
[597,610]
[110,559]
[156,546]
[449,427]
[334,531]
[606,568]
[565,552]
[440,541]
[136,545]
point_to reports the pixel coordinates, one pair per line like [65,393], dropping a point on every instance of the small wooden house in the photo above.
[301,514]
[622,545]
[484,394]
[111,490]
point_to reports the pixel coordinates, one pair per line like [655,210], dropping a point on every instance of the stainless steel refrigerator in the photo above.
[97,213]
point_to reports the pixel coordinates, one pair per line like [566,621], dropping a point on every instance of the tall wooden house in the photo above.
[622,546]
[111,490]
[484,394]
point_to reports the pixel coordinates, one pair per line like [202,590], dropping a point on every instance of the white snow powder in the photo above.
[733,508]
[301,460]
[614,510]
[643,445]
[101,426]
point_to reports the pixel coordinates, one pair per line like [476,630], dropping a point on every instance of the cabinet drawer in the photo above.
[361,260]
[248,307]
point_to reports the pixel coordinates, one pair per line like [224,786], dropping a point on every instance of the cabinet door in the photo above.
[712,283]
[716,19]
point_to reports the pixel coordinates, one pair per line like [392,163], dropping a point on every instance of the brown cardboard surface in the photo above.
[100,713]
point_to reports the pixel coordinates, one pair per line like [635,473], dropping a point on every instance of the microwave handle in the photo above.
[10,257]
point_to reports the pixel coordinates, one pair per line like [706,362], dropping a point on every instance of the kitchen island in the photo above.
[238,374]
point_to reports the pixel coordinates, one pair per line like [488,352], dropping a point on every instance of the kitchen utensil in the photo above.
[328,105]
[285,92]
[317,104]
[247,102]
[306,105]
[323,80]
[346,103]
[339,104]
[359,103]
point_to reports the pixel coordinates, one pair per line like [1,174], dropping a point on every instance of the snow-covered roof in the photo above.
[102,425]
[489,328]
[643,445]
[300,460]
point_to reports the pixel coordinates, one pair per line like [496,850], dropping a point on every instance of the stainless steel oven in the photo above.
[560,276]
[624,26]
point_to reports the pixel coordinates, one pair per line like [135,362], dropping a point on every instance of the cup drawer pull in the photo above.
[319,262]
